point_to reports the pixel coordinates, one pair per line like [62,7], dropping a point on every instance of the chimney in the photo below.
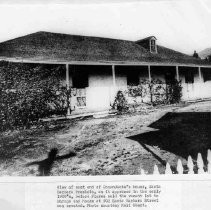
[195,54]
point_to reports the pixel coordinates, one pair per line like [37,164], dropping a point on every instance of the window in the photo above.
[133,78]
[80,79]
[189,77]
[80,82]
[81,97]
[153,48]
[81,101]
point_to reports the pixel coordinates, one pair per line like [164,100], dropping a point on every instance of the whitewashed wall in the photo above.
[101,92]
[197,90]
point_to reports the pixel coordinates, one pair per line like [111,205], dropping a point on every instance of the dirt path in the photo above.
[113,145]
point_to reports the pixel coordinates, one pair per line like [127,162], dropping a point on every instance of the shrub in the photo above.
[120,102]
[136,91]
[28,93]
[154,90]
[174,92]
[157,91]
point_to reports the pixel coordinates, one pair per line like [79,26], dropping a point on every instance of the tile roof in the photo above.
[56,47]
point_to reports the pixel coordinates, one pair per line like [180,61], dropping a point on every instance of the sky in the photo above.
[183,25]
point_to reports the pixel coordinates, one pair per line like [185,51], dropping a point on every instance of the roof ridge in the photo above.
[75,35]
[66,34]
[146,38]
[181,53]
[79,35]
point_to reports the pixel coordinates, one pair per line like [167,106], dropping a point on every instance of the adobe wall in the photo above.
[101,92]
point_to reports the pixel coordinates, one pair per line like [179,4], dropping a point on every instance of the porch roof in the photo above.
[49,47]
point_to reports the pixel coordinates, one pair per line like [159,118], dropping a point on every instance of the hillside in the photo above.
[204,53]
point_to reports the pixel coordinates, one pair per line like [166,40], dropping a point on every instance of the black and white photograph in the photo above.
[92,88]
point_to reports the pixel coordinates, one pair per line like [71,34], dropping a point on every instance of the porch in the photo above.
[94,87]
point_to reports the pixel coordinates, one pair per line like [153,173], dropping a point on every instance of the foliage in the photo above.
[135,91]
[120,102]
[28,93]
[156,91]
[174,92]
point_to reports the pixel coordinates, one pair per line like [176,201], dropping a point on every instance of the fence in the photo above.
[193,167]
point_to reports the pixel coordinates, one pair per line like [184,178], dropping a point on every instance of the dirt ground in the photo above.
[121,144]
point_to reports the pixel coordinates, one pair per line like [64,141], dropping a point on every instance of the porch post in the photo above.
[113,76]
[200,77]
[149,73]
[68,88]
[177,73]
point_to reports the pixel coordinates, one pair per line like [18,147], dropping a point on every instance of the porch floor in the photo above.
[81,113]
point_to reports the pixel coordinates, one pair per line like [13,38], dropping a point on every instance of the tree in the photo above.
[29,93]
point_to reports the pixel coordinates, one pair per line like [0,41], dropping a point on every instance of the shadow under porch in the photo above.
[94,86]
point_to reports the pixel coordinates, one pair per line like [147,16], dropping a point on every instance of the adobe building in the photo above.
[96,68]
